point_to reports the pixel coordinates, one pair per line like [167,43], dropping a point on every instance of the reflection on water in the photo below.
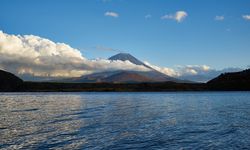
[30,120]
[124,120]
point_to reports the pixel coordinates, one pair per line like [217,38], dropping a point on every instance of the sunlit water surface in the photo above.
[217,120]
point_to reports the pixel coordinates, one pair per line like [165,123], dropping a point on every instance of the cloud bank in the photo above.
[198,73]
[180,71]
[38,56]
[179,16]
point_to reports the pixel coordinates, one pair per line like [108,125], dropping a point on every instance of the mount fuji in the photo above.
[126,76]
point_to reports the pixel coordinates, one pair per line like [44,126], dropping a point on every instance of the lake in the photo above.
[169,120]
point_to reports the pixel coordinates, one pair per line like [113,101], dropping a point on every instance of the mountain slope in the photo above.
[126,77]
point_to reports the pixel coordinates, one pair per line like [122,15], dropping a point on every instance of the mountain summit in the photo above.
[126,56]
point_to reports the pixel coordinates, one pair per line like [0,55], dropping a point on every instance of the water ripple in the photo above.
[125,120]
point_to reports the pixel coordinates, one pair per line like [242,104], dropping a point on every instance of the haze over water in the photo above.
[181,120]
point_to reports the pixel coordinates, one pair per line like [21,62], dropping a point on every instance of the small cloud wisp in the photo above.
[179,16]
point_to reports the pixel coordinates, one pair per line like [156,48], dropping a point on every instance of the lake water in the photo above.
[188,120]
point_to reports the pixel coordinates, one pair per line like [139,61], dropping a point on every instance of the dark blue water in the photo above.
[217,120]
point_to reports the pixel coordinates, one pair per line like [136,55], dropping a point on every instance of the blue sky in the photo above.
[198,39]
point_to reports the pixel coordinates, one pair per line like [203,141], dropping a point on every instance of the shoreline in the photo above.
[121,87]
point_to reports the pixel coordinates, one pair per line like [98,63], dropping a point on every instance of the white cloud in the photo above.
[193,69]
[219,18]
[179,16]
[38,56]
[148,16]
[246,17]
[111,14]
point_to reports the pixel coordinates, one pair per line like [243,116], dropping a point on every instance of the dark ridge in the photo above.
[9,82]
[231,81]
